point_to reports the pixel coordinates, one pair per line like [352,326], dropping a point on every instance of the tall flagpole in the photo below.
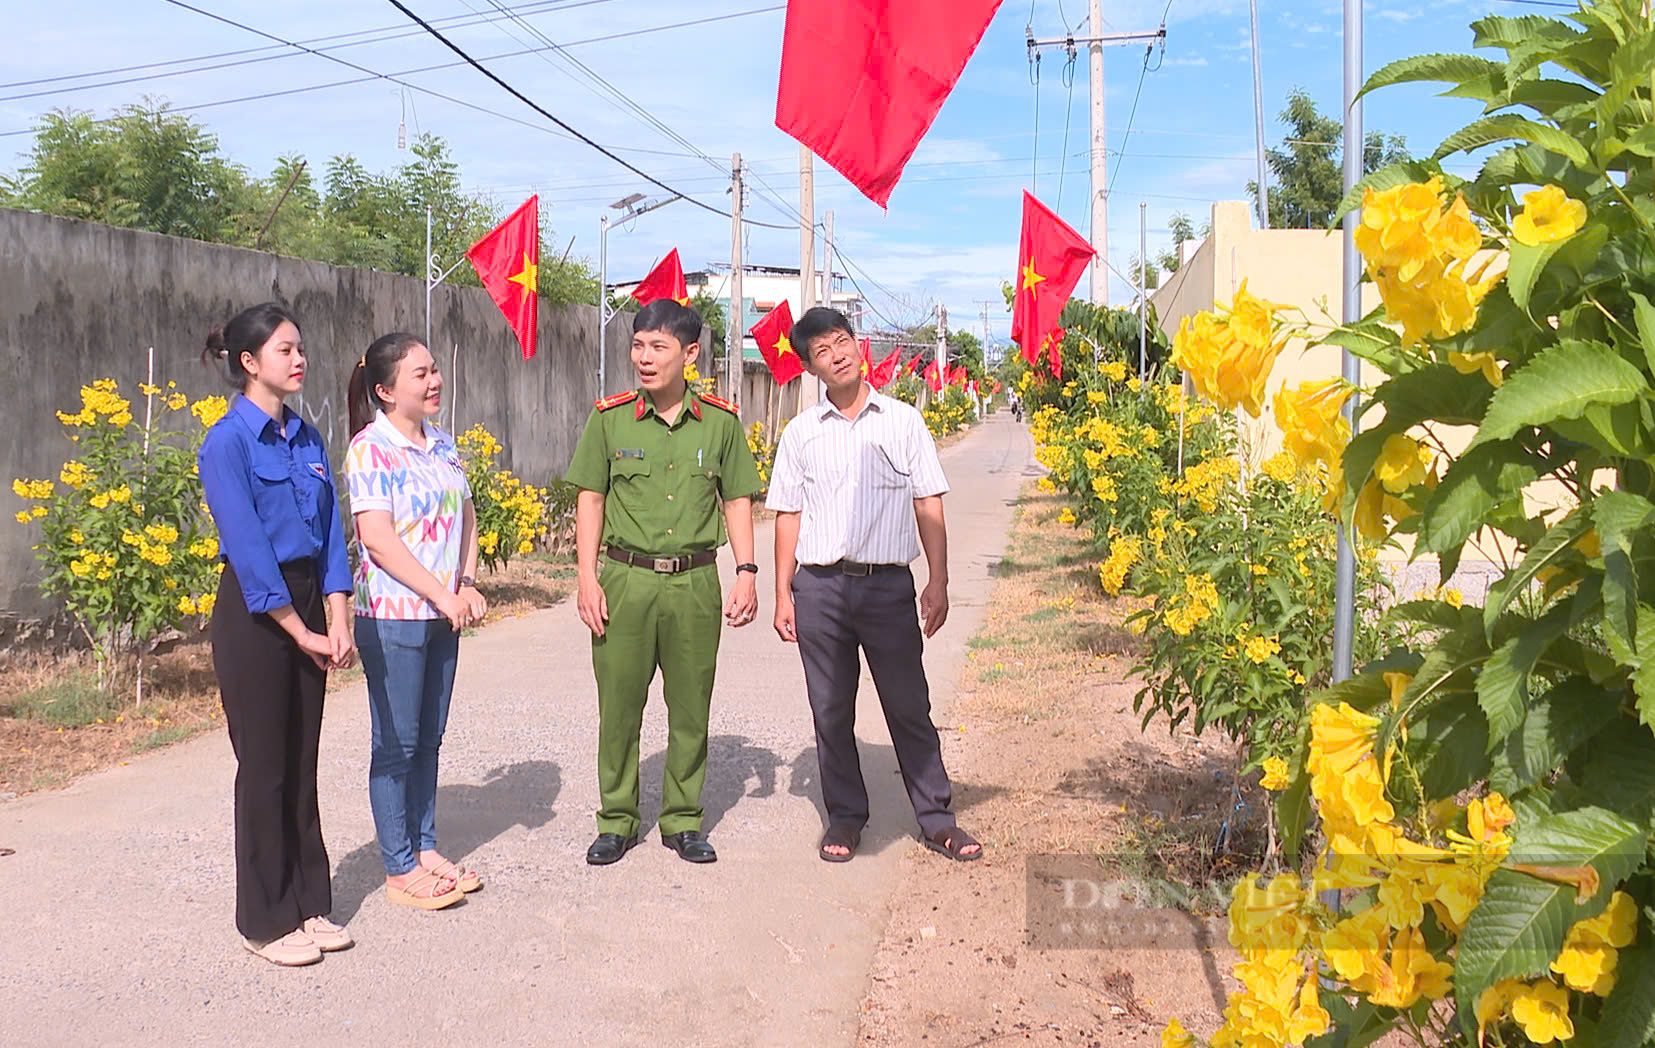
[1344,596]
[603,301]
[430,275]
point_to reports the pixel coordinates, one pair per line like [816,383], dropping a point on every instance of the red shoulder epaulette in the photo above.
[720,402]
[616,400]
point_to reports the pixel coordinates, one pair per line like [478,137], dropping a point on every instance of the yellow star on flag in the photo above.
[683,301]
[1030,278]
[526,276]
[783,346]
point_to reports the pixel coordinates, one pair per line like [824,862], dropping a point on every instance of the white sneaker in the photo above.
[327,936]
[293,950]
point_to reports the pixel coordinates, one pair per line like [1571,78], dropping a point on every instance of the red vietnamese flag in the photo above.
[862,80]
[867,357]
[933,377]
[913,364]
[1054,352]
[885,370]
[957,376]
[1050,258]
[508,263]
[666,280]
[771,335]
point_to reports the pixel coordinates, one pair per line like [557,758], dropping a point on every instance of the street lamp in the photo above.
[630,207]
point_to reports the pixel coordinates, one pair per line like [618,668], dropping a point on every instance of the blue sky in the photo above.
[951,230]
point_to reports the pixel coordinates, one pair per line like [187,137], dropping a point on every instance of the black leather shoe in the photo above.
[608,848]
[691,846]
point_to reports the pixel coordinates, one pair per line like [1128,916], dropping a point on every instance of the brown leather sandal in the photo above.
[426,892]
[468,880]
[952,842]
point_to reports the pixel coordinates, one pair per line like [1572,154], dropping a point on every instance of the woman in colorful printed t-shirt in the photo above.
[414,594]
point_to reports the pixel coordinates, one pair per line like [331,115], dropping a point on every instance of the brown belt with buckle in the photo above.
[664,565]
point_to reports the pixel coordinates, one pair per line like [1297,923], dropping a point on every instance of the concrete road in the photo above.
[119,928]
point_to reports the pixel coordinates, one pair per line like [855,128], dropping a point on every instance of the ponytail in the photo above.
[378,367]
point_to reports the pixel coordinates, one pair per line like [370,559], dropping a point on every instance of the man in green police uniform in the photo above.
[658,465]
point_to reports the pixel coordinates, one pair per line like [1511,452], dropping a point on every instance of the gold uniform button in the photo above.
[670,465]
[669,531]
[669,498]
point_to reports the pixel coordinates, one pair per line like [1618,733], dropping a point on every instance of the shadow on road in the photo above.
[468,817]
[733,761]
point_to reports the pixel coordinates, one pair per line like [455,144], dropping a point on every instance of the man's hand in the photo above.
[786,627]
[933,606]
[743,605]
[591,604]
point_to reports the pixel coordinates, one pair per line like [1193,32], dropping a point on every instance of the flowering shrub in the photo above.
[947,411]
[1485,789]
[125,539]
[511,516]
[763,449]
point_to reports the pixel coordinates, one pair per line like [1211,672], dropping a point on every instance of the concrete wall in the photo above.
[80,301]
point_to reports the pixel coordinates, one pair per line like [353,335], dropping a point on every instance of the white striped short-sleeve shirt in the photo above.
[854,481]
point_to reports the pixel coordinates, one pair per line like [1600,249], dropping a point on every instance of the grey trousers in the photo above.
[835,614]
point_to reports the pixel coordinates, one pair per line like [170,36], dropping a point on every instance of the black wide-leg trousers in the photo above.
[272,694]
[836,614]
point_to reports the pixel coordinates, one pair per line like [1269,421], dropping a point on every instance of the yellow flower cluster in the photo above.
[1229,353]
[1281,467]
[208,410]
[1066,516]
[1548,215]
[1124,552]
[1259,649]
[1418,252]
[32,489]
[1313,430]
[75,475]
[1103,487]
[202,605]
[1275,775]
[206,548]
[1198,602]
[99,565]
[488,542]
[1204,481]
[1113,370]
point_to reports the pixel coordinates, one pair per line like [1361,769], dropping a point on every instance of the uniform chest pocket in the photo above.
[628,469]
[274,491]
[881,468]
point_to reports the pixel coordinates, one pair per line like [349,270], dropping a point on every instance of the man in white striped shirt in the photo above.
[857,490]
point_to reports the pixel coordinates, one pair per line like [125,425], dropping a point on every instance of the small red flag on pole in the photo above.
[1050,258]
[885,370]
[666,280]
[771,335]
[507,261]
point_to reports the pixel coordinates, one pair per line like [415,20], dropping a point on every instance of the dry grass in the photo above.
[54,725]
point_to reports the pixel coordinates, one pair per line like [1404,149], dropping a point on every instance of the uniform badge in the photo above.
[320,469]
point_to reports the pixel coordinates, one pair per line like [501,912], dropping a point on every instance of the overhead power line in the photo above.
[526,100]
[353,38]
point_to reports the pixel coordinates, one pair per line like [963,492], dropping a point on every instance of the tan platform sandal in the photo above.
[293,950]
[434,896]
[328,937]
[468,880]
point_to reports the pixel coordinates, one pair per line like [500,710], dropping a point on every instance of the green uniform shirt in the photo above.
[664,485]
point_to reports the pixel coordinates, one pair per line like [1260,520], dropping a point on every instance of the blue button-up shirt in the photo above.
[271,494]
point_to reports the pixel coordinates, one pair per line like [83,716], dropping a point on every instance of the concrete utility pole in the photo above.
[1258,124]
[735,326]
[942,344]
[807,229]
[827,259]
[1143,291]
[1100,156]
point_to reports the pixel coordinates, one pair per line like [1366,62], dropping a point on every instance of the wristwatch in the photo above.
[467,580]
[754,568]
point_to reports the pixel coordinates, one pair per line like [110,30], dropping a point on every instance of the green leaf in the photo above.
[1449,746]
[1508,126]
[1618,771]
[1444,68]
[1474,484]
[1511,31]
[1619,515]
[1561,381]
[1557,724]
[1453,654]
[1644,315]
[1503,685]
[1354,1025]
[1551,546]
[1629,1014]
[1526,263]
[1518,926]
[1293,813]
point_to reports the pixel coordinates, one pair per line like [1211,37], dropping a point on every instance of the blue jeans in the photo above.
[410,669]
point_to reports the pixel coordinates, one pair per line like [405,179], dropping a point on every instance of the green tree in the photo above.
[1307,172]
[146,168]
[1183,231]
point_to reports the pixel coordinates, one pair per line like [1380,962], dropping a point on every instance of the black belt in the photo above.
[852,567]
[664,565]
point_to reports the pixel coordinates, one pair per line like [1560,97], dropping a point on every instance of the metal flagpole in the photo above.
[1344,597]
[1258,124]
[430,275]
[1143,292]
[603,300]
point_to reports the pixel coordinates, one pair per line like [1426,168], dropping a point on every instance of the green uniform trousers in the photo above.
[670,621]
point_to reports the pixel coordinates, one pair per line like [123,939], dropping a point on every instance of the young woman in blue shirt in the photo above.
[271,493]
